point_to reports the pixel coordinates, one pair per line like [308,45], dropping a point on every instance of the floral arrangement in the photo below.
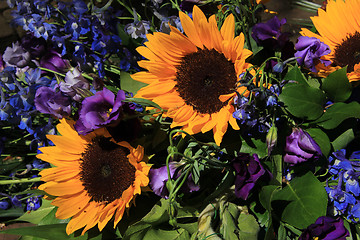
[180,120]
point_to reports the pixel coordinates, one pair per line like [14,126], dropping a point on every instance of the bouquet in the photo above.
[180,120]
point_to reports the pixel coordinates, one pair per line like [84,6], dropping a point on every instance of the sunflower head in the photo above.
[193,76]
[338,27]
[94,178]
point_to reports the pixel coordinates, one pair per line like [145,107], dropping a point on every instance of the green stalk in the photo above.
[25,180]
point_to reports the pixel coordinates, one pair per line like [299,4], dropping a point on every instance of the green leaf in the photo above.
[237,223]
[35,217]
[251,145]
[337,86]
[303,101]
[302,201]
[295,75]
[321,139]
[337,113]
[51,232]
[266,195]
[344,139]
[129,84]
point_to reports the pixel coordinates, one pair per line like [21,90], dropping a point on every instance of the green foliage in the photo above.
[301,202]
[303,101]
[155,225]
[128,84]
[337,86]
[337,113]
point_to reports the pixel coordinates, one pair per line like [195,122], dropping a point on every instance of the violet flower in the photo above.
[159,177]
[51,102]
[99,110]
[248,171]
[309,50]
[270,31]
[16,56]
[53,61]
[73,83]
[300,147]
[35,46]
[325,228]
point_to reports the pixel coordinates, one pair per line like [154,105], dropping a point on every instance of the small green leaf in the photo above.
[321,139]
[337,113]
[295,75]
[302,201]
[251,145]
[35,217]
[237,223]
[129,84]
[337,86]
[344,139]
[303,101]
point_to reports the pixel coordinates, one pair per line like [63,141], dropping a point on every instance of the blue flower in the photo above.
[138,29]
[4,204]
[33,203]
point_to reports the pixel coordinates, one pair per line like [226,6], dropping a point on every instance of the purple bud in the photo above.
[300,147]
[101,109]
[248,171]
[16,56]
[309,51]
[53,61]
[51,102]
[325,228]
[159,177]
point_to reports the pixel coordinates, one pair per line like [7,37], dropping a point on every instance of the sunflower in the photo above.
[194,77]
[339,27]
[95,178]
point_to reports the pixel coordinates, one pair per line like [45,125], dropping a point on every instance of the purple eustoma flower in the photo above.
[35,46]
[270,31]
[16,56]
[73,83]
[159,177]
[309,50]
[300,147]
[248,171]
[53,61]
[99,110]
[51,102]
[326,228]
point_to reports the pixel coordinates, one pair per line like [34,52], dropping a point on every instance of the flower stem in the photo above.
[25,180]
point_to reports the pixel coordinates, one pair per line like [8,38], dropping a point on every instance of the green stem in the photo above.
[25,180]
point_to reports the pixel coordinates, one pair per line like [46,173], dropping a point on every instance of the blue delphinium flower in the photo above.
[345,196]
[33,203]
[138,29]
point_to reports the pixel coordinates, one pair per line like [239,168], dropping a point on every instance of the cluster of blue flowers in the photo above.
[345,196]
[255,112]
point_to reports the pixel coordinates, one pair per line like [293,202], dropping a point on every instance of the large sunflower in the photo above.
[339,27]
[193,77]
[95,178]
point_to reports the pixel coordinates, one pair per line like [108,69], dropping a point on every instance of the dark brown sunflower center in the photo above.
[202,77]
[105,170]
[348,52]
